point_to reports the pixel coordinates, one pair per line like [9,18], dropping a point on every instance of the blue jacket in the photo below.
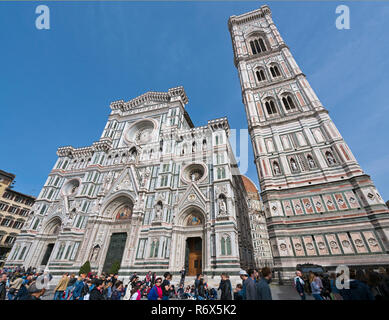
[153,294]
[78,286]
[358,291]
[263,290]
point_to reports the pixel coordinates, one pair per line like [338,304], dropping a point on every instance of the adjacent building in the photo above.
[15,207]
[320,206]
[153,193]
[259,235]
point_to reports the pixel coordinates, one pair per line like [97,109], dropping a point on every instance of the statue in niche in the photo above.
[108,181]
[276,168]
[222,206]
[158,211]
[293,165]
[144,177]
[95,253]
[311,163]
[330,158]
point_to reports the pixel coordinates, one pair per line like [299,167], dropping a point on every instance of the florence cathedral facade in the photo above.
[154,193]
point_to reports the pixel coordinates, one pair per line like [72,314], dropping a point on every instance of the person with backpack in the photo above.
[299,284]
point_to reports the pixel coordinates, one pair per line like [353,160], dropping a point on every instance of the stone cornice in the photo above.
[151,96]
[104,144]
[249,16]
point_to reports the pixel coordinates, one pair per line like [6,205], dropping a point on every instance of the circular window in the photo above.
[141,132]
[71,187]
[194,173]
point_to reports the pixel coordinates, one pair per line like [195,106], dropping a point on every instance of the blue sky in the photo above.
[56,85]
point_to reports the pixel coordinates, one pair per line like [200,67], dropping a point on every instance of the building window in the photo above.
[221,173]
[257,46]
[288,103]
[6,222]
[225,243]
[164,181]
[270,107]
[275,72]
[260,75]
[9,240]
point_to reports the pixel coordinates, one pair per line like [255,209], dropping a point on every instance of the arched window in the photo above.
[330,158]
[288,103]
[293,165]
[225,244]
[275,71]
[43,209]
[270,107]
[257,46]
[311,162]
[260,75]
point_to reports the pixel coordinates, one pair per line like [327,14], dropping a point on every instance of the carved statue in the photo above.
[144,177]
[108,181]
[95,253]
[330,158]
[276,168]
[158,211]
[311,163]
[222,206]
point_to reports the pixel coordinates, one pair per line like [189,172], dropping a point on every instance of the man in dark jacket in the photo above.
[263,288]
[3,289]
[225,287]
[357,289]
[299,284]
[96,293]
[33,293]
[251,292]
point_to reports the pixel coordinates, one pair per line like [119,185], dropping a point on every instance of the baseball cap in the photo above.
[243,273]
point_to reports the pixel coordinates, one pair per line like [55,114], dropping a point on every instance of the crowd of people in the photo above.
[21,284]
[360,285]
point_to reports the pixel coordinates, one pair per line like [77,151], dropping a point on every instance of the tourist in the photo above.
[196,284]
[78,289]
[244,276]
[299,284]
[166,286]
[14,285]
[96,292]
[201,290]
[61,287]
[70,286]
[183,273]
[3,284]
[33,293]
[148,278]
[316,287]
[374,283]
[118,291]
[335,294]
[357,290]
[225,287]
[251,291]
[156,291]
[238,292]
[326,291]
[107,291]
[135,292]
[263,288]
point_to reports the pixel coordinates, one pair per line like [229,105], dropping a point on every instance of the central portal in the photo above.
[193,256]
[115,250]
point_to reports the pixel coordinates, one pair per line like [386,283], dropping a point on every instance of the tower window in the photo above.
[260,75]
[275,72]
[257,46]
[270,107]
[288,103]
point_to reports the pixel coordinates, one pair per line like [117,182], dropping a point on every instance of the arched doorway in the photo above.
[193,224]
[52,229]
[122,215]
